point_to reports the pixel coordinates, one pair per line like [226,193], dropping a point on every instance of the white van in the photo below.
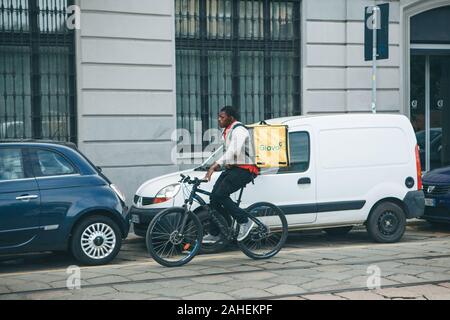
[346,170]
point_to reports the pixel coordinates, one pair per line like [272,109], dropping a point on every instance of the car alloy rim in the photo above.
[98,241]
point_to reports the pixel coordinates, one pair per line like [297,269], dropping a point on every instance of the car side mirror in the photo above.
[99,169]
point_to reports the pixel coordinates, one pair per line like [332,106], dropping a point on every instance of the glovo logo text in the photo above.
[267,148]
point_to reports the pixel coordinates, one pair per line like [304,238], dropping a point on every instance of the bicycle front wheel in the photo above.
[167,243]
[266,240]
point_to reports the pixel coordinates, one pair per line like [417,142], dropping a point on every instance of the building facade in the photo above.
[135,71]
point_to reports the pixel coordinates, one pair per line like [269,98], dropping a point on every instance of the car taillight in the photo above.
[419,169]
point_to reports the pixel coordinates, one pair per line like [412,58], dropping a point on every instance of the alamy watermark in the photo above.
[374,279]
[73,281]
[73,22]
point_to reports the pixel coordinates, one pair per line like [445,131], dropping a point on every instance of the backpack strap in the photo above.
[237,126]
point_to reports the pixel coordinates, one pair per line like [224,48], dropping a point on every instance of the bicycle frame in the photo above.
[180,244]
[193,196]
[189,201]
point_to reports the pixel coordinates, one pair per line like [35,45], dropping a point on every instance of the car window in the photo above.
[53,164]
[299,148]
[11,166]
[435,136]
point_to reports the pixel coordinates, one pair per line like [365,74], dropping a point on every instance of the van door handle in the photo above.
[27,197]
[304,181]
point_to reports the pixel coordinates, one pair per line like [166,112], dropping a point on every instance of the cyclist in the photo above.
[240,169]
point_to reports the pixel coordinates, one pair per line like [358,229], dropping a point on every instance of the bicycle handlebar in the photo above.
[188,180]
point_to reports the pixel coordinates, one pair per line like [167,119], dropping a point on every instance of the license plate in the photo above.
[135,218]
[430,202]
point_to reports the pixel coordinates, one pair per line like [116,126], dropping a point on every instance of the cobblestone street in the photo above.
[312,266]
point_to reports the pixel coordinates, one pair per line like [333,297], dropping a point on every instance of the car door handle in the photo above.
[27,197]
[304,181]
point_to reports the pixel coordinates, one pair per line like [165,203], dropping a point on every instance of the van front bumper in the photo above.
[415,204]
[141,218]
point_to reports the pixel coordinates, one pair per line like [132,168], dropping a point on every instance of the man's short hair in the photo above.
[230,111]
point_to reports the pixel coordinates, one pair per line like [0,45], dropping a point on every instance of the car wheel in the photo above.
[386,223]
[340,231]
[96,240]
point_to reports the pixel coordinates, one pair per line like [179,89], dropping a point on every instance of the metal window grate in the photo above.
[37,71]
[244,53]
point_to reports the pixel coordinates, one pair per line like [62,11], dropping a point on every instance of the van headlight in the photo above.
[167,193]
[119,193]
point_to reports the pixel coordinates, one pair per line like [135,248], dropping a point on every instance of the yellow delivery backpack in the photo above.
[270,145]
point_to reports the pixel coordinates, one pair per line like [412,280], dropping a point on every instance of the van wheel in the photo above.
[340,231]
[386,223]
[96,240]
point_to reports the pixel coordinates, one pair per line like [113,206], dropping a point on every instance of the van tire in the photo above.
[339,231]
[386,223]
[109,234]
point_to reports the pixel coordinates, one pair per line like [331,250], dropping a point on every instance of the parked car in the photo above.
[346,170]
[435,147]
[52,198]
[436,185]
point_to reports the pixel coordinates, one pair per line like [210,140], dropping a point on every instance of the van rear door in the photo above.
[292,188]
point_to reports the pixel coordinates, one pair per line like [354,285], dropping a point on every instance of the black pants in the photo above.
[230,181]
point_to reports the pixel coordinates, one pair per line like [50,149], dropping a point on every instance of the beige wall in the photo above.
[335,76]
[126,88]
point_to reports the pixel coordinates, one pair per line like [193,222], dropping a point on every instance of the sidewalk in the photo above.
[440,291]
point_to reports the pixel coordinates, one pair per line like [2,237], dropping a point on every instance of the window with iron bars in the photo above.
[37,71]
[244,53]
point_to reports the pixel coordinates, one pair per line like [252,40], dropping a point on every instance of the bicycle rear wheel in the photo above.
[167,244]
[265,241]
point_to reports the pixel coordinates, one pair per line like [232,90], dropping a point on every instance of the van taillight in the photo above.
[419,169]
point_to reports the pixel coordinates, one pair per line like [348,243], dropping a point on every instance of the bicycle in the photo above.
[174,236]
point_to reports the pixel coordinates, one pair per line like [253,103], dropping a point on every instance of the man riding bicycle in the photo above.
[240,169]
[175,235]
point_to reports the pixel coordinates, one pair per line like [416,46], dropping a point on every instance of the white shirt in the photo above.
[236,146]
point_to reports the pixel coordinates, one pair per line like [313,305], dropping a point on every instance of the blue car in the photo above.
[52,198]
[436,185]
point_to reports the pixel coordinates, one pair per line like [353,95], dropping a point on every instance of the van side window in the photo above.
[299,152]
[11,167]
[52,164]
